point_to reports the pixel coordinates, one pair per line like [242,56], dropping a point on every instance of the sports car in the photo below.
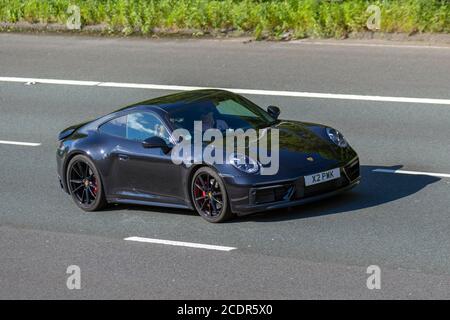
[126,157]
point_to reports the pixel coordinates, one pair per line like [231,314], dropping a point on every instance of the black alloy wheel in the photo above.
[84,184]
[209,196]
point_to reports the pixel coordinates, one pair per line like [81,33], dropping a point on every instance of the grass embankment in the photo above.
[261,18]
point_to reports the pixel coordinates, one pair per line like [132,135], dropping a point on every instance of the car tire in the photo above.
[84,184]
[209,196]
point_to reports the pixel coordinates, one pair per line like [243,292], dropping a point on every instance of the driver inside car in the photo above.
[209,121]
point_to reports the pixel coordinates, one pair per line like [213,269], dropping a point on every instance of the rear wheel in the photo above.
[209,196]
[84,184]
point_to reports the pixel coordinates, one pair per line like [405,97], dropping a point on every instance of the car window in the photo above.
[227,111]
[116,127]
[144,125]
[232,108]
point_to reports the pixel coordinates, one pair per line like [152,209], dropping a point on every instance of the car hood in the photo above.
[303,148]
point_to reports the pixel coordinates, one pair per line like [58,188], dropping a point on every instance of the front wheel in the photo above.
[209,196]
[84,184]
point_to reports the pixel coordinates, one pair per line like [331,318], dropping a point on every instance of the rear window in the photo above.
[136,126]
[144,125]
[116,127]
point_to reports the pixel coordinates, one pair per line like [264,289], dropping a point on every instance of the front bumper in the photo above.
[246,199]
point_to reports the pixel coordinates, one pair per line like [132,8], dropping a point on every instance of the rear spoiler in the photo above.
[70,130]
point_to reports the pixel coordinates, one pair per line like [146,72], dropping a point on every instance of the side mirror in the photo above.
[156,142]
[273,111]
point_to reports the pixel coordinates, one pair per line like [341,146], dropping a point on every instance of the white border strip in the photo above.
[18,143]
[432,174]
[180,243]
[297,94]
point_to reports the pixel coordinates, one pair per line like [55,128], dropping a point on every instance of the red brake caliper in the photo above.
[94,183]
[198,190]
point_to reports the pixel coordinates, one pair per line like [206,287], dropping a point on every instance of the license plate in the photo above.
[322,177]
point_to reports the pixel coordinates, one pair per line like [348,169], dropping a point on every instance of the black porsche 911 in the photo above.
[126,157]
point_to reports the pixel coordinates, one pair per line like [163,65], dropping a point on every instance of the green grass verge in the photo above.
[302,18]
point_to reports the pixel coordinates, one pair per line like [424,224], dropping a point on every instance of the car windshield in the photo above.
[221,112]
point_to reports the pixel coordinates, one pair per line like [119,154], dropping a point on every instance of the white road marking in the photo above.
[355,44]
[433,174]
[18,143]
[298,94]
[50,81]
[181,244]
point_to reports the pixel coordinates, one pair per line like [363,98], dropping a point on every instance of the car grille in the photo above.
[297,190]
[324,187]
[352,170]
[273,194]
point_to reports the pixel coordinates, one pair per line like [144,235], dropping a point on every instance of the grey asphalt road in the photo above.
[399,222]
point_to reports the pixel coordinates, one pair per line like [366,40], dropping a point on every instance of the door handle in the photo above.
[123,157]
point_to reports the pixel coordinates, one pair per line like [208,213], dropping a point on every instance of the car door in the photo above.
[146,174]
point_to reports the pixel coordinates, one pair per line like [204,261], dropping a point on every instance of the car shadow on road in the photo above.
[376,188]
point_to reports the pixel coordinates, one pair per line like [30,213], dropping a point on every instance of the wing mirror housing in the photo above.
[156,142]
[274,111]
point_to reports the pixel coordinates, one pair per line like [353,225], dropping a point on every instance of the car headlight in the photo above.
[244,163]
[337,137]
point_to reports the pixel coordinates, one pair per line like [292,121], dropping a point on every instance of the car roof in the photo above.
[177,100]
